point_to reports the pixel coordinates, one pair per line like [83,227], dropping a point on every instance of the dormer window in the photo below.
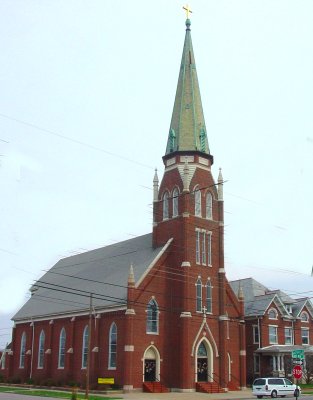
[304,316]
[272,314]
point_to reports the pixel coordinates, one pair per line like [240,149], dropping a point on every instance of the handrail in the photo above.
[235,378]
[216,380]
[163,380]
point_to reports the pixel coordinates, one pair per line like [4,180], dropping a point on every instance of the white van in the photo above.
[274,387]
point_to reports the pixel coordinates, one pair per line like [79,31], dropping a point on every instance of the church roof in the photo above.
[187,130]
[66,287]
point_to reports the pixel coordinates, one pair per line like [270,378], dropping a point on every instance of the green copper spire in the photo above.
[187,130]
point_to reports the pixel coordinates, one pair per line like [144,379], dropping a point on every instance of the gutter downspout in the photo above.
[259,332]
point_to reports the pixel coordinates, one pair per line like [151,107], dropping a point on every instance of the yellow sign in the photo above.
[106,381]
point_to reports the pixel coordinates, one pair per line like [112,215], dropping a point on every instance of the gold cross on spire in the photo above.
[188,10]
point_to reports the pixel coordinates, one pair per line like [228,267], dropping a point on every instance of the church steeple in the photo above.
[187,130]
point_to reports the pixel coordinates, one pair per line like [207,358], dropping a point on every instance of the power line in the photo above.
[79,142]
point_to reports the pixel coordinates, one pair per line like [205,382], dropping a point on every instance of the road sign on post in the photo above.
[297,371]
[298,354]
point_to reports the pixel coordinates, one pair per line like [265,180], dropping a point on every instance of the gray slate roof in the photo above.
[250,287]
[258,297]
[66,287]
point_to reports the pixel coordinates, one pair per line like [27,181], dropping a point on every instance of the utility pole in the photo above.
[89,351]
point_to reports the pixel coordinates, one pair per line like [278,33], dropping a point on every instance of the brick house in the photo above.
[276,324]
[156,308]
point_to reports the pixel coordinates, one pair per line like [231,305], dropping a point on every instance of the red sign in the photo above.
[297,371]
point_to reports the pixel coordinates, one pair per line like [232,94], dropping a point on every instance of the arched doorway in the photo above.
[151,365]
[204,362]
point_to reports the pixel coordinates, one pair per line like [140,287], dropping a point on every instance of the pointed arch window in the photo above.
[202,350]
[23,350]
[152,317]
[175,202]
[208,296]
[165,206]
[198,202]
[199,295]
[62,340]
[85,347]
[41,349]
[112,346]
[208,205]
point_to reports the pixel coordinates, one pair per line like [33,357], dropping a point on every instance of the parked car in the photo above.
[274,387]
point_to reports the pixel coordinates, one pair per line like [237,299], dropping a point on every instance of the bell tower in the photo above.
[188,207]
[187,200]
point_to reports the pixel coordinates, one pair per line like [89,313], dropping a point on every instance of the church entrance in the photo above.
[203,373]
[150,370]
[202,370]
[151,365]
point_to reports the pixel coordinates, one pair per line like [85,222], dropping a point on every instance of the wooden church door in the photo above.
[150,370]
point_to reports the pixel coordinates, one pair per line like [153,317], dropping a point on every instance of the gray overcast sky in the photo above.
[87,90]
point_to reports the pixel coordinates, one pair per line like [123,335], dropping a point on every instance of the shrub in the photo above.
[73,384]
[15,380]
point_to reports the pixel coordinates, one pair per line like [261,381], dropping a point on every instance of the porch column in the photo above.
[274,363]
[278,363]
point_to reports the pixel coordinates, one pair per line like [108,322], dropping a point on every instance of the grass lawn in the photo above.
[52,393]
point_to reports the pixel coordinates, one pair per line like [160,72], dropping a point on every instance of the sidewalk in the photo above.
[244,394]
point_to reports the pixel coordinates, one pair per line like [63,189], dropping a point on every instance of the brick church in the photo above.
[155,311]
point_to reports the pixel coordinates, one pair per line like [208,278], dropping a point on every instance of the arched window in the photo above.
[208,206]
[85,347]
[198,203]
[152,317]
[41,349]
[209,297]
[272,313]
[23,350]
[62,340]
[304,316]
[175,202]
[112,346]
[199,295]
[165,205]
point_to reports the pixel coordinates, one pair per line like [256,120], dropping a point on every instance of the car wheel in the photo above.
[297,393]
[274,394]
[259,397]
